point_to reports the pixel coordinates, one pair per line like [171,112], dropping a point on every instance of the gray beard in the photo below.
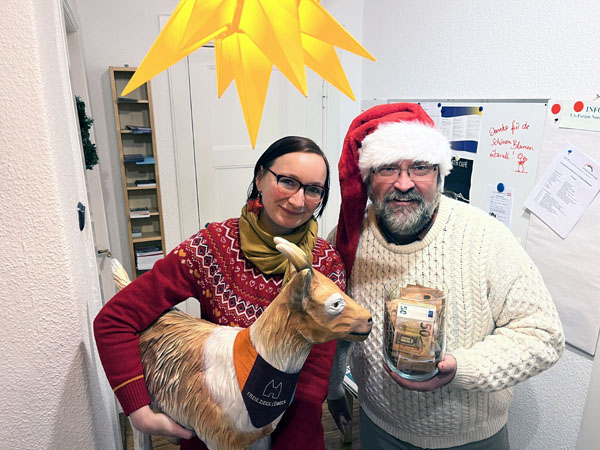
[402,224]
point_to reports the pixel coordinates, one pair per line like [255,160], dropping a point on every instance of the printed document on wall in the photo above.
[499,203]
[565,190]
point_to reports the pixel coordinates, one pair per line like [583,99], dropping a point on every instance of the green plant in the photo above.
[85,123]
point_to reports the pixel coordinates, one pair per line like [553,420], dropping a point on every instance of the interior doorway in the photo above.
[224,158]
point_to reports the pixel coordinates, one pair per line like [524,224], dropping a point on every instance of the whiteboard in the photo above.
[495,143]
[570,267]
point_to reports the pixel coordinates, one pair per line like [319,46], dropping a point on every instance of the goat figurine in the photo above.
[209,377]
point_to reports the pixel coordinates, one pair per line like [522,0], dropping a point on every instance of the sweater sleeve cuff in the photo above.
[133,395]
[338,370]
[463,379]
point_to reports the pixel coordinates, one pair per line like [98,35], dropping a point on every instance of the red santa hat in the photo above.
[384,134]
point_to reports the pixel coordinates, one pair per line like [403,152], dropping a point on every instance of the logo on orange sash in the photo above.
[267,391]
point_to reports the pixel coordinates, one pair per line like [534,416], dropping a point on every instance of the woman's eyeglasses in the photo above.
[313,193]
[417,172]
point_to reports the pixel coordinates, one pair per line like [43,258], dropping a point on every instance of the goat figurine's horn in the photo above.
[296,256]
[120,276]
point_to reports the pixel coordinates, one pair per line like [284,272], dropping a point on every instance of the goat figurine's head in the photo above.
[328,313]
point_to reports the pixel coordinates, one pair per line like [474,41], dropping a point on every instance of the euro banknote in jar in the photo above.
[414,340]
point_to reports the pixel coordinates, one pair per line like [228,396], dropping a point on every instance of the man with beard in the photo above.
[502,326]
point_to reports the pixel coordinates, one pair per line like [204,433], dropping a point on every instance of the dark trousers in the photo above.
[374,438]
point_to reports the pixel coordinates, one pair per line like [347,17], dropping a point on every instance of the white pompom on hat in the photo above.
[393,142]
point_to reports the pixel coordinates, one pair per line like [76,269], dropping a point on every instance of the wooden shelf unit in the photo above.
[135,110]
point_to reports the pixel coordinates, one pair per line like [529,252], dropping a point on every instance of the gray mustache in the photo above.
[403,197]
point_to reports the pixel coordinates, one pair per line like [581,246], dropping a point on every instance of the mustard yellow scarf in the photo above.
[258,245]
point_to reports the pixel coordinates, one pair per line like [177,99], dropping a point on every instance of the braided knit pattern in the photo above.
[502,326]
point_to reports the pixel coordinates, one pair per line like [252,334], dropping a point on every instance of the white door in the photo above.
[223,155]
[213,159]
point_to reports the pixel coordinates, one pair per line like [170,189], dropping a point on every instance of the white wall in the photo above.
[491,49]
[52,396]
[481,48]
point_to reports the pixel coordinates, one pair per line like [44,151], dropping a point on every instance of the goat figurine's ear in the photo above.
[302,281]
[301,284]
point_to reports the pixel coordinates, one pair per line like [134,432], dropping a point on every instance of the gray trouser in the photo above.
[374,438]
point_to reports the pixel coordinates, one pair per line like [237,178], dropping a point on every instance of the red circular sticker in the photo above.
[555,108]
[578,106]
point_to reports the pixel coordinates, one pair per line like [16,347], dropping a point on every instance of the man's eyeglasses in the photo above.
[313,193]
[417,172]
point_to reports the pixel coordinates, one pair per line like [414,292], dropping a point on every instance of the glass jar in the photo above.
[414,339]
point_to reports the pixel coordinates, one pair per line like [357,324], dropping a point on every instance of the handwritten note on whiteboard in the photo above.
[512,142]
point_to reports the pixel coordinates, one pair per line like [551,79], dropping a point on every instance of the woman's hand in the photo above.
[446,372]
[147,421]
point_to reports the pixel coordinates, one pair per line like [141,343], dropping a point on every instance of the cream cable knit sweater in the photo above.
[502,326]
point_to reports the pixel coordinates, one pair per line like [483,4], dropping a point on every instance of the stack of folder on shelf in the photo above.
[147,160]
[147,256]
[139,213]
[139,130]
[136,233]
[145,183]
[134,157]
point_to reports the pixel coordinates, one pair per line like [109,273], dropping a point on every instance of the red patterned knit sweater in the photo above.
[210,267]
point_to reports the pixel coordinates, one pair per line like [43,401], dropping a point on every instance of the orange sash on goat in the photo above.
[267,391]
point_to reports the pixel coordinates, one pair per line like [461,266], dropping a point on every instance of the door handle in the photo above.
[105,252]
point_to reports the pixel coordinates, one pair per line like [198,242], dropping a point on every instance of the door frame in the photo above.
[78,86]
[93,181]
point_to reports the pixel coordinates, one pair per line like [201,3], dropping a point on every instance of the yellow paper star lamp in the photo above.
[250,36]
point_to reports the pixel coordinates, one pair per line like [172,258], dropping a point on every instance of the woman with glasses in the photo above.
[234,270]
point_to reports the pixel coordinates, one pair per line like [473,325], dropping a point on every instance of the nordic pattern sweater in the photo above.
[502,326]
[211,267]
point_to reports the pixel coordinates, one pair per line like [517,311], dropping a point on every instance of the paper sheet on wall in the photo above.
[579,115]
[565,190]
[499,203]
[459,180]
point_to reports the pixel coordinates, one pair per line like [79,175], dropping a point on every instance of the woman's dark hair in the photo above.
[283,146]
